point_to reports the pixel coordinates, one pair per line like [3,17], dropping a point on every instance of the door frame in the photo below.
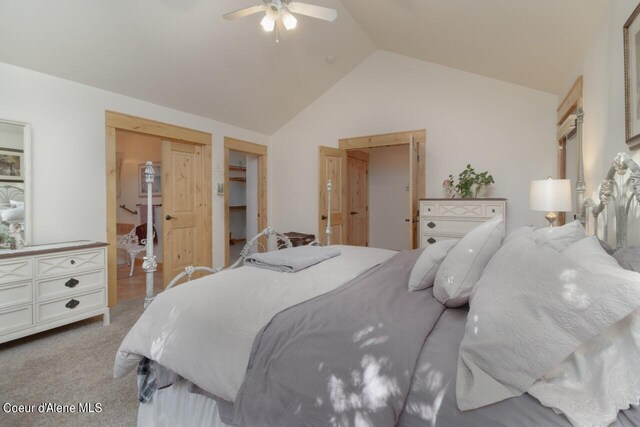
[388,139]
[119,121]
[260,151]
[569,106]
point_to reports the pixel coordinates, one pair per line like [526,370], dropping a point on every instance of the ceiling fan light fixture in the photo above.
[289,21]
[268,23]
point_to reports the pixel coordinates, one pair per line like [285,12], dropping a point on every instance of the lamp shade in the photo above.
[550,195]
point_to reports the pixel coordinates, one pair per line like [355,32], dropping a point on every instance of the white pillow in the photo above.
[601,377]
[424,270]
[560,238]
[590,255]
[15,214]
[530,311]
[526,231]
[16,203]
[465,263]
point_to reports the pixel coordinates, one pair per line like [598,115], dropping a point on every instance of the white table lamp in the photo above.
[551,196]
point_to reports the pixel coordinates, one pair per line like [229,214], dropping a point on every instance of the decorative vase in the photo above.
[482,192]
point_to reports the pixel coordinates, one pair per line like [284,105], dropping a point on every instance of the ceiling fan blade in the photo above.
[313,11]
[244,12]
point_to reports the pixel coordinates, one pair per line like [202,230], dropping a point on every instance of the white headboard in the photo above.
[615,215]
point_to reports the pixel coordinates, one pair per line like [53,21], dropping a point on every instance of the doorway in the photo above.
[184,219]
[373,207]
[132,151]
[245,194]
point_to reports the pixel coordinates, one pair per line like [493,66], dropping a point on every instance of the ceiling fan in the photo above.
[284,10]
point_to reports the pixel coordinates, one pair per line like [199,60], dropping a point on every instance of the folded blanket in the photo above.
[291,260]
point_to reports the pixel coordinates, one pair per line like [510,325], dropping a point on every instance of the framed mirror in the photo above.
[15,184]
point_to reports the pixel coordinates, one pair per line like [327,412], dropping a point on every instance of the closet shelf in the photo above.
[238,179]
[237,168]
[238,207]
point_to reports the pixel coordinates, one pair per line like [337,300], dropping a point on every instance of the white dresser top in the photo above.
[50,248]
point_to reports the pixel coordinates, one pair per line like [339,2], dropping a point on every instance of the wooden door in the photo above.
[332,165]
[358,201]
[417,188]
[186,207]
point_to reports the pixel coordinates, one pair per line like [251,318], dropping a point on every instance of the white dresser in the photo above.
[45,286]
[443,219]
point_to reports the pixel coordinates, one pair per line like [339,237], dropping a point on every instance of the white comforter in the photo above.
[204,330]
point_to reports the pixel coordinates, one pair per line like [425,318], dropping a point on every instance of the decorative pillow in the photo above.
[530,311]
[601,377]
[16,203]
[424,270]
[629,258]
[560,238]
[589,254]
[525,231]
[465,263]
[15,214]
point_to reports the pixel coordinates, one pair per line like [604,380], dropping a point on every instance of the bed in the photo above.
[344,342]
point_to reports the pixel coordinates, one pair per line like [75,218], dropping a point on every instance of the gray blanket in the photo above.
[291,260]
[343,358]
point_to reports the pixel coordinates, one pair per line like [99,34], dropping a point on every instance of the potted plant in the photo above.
[470,183]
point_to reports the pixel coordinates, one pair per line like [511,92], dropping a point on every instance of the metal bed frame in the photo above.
[150,264]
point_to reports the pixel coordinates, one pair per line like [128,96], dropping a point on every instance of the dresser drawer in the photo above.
[16,271]
[15,319]
[70,284]
[459,209]
[428,208]
[494,210]
[46,311]
[15,294]
[430,239]
[438,226]
[69,263]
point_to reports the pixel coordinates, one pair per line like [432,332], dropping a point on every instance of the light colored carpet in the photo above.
[69,365]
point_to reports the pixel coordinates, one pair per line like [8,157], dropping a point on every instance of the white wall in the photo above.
[497,126]
[603,71]
[388,197]
[69,186]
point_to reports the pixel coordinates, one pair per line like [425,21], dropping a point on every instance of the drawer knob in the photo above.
[431,224]
[431,240]
[493,210]
[73,261]
[72,283]
[73,303]
[429,209]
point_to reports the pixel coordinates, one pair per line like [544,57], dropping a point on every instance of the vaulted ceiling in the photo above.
[182,54]
[533,43]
